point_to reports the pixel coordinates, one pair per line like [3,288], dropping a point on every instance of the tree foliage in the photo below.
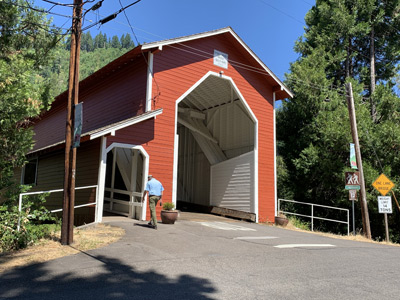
[313,128]
[34,68]
[34,221]
[95,53]
[26,43]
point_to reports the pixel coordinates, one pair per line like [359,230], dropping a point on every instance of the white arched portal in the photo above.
[129,172]
[211,103]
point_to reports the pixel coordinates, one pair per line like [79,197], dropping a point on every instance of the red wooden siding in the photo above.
[155,137]
[116,97]
[178,68]
[121,94]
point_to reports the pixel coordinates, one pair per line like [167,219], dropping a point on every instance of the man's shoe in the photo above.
[152,226]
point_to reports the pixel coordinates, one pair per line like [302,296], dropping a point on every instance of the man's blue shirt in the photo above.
[154,187]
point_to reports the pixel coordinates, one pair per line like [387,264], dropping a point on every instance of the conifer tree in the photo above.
[313,128]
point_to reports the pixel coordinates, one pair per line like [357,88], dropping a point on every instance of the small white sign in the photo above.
[353,195]
[385,204]
[220,59]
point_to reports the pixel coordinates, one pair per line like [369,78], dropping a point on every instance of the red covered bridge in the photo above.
[196,112]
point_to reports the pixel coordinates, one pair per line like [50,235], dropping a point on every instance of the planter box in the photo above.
[281,221]
[169,216]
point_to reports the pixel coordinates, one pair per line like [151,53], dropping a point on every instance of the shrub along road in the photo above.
[213,258]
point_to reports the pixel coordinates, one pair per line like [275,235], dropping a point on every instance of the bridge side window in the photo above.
[29,172]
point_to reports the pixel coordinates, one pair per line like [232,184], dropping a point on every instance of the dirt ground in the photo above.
[88,238]
[358,237]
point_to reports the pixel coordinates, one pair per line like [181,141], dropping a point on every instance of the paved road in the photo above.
[213,258]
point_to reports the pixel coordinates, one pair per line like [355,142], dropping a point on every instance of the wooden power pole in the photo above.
[354,133]
[67,229]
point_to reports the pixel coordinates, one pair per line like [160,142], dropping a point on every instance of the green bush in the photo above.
[299,223]
[168,206]
[36,222]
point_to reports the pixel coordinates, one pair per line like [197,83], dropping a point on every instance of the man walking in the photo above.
[155,190]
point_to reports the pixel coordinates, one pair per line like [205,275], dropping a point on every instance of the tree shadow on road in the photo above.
[113,280]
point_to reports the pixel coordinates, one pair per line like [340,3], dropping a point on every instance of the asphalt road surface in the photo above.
[213,258]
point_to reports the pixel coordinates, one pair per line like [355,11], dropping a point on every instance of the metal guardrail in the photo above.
[52,191]
[312,213]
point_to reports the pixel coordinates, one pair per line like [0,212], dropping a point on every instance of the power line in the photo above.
[282,12]
[111,17]
[37,9]
[208,55]
[145,59]
[58,3]
[247,67]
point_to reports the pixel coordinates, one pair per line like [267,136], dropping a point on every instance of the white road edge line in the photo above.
[303,245]
[255,237]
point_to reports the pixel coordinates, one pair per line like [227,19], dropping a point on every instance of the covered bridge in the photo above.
[197,112]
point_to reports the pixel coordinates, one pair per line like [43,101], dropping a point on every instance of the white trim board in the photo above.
[126,123]
[109,129]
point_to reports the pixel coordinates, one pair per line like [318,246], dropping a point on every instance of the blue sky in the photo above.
[269,27]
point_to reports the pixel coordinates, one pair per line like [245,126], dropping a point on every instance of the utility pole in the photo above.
[354,133]
[67,229]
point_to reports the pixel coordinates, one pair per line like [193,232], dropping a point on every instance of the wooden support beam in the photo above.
[192,113]
[226,212]
[197,130]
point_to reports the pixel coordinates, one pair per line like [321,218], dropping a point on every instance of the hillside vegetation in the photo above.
[95,53]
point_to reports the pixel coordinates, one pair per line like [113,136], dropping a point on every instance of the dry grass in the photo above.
[84,239]
[358,237]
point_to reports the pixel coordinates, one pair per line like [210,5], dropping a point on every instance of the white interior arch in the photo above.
[215,155]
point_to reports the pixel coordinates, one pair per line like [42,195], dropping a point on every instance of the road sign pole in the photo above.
[354,218]
[387,228]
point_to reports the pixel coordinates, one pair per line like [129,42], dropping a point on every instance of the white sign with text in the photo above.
[385,204]
[220,59]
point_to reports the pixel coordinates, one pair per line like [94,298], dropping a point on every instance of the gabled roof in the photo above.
[139,50]
[227,30]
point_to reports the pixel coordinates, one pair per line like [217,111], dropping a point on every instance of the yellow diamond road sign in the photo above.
[383,184]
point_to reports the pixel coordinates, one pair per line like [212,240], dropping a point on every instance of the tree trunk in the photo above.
[348,59]
[372,73]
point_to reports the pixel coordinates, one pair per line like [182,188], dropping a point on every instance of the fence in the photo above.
[53,191]
[312,213]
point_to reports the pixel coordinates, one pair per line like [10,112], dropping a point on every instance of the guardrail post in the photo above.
[312,217]
[279,207]
[19,211]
